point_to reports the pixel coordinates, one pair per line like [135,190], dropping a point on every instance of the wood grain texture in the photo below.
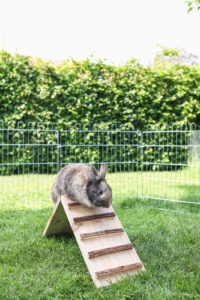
[94,217]
[58,221]
[100,233]
[109,250]
[108,272]
[101,221]
[74,205]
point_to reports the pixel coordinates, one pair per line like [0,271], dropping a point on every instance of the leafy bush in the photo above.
[95,92]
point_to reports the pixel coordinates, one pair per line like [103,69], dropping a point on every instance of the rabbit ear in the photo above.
[103,171]
[93,173]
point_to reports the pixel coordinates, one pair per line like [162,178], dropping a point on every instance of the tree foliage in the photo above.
[170,56]
[192,4]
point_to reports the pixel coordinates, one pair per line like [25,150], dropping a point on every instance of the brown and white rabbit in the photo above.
[84,184]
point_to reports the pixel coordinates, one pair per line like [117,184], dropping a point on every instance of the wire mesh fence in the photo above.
[161,162]
[28,161]
[171,166]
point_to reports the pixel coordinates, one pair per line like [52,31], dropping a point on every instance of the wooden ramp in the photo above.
[105,246]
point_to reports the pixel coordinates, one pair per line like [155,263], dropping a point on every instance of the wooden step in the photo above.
[74,205]
[100,233]
[94,217]
[109,250]
[111,271]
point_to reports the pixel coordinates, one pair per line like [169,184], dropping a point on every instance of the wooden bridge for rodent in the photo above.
[105,246]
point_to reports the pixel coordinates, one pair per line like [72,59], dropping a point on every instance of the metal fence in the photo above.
[161,162]
[171,163]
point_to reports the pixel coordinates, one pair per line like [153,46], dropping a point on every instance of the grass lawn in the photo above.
[168,243]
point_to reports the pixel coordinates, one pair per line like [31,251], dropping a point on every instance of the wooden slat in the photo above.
[75,204]
[109,250]
[100,233]
[108,272]
[93,217]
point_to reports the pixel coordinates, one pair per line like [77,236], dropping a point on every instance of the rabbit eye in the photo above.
[100,192]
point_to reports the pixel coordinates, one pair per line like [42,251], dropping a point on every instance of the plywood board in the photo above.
[104,244]
[58,222]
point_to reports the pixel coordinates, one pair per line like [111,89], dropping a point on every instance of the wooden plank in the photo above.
[74,205]
[109,250]
[105,262]
[100,233]
[94,217]
[108,272]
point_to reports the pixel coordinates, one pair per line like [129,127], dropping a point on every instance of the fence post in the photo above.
[58,150]
[142,165]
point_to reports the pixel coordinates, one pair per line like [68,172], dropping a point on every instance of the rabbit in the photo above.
[84,184]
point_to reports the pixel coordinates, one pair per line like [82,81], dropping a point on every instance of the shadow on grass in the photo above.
[28,220]
[191,192]
[149,203]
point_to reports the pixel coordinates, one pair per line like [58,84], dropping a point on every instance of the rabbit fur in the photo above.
[84,184]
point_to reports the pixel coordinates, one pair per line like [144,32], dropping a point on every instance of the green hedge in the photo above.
[93,92]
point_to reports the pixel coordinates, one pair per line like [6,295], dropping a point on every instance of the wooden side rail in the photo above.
[94,217]
[100,233]
[109,250]
[108,272]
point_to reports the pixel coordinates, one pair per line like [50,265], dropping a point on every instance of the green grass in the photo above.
[176,185]
[168,243]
